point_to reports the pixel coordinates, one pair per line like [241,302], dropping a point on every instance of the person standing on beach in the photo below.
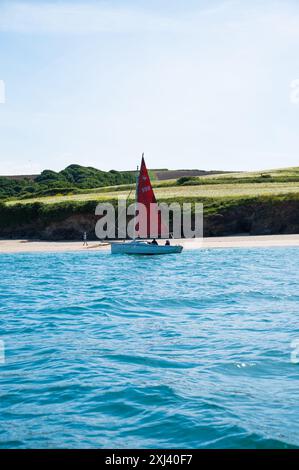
[85,239]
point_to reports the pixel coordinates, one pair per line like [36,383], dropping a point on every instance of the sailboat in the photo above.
[146,196]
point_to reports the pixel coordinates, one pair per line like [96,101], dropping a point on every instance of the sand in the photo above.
[29,246]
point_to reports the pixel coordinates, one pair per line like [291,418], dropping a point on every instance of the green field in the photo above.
[231,185]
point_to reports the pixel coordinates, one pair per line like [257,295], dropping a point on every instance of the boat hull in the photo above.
[143,248]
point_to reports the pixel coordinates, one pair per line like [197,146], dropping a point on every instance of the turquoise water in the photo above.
[189,350]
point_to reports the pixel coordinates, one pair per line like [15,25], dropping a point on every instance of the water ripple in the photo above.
[176,351]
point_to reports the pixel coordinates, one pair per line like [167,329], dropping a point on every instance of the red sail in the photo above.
[146,196]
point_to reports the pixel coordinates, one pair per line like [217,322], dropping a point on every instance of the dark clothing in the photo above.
[85,239]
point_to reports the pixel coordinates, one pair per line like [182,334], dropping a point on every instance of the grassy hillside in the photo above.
[162,175]
[231,185]
[85,183]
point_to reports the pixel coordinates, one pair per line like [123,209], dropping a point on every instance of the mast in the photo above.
[136,197]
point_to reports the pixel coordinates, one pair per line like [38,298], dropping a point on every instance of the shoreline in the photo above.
[246,241]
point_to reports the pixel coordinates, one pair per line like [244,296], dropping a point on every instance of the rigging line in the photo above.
[118,214]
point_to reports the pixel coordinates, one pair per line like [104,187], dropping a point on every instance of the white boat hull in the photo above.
[143,248]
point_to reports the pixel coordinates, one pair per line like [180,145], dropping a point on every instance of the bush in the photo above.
[187,180]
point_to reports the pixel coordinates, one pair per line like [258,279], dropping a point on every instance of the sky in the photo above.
[208,84]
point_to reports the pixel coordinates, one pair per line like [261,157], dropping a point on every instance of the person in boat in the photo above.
[154,242]
[167,243]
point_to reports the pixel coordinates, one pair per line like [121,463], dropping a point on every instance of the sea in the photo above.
[196,350]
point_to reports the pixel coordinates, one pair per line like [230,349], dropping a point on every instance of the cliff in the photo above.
[67,221]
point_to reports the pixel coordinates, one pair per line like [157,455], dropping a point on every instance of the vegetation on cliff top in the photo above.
[79,183]
[24,213]
[169,192]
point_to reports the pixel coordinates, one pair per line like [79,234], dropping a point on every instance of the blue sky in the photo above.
[193,84]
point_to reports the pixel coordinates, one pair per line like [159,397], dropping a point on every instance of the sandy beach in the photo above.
[28,246]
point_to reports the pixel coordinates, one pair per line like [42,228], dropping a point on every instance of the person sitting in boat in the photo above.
[154,242]
[167,243]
